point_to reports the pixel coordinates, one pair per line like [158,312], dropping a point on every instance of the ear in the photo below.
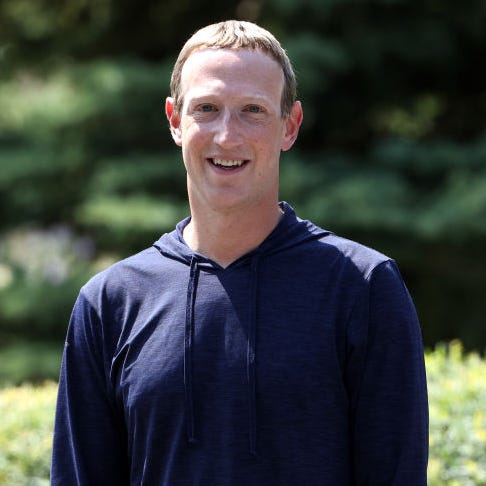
[174,120]
[292,125]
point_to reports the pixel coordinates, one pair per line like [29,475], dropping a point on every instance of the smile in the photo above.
[228,164]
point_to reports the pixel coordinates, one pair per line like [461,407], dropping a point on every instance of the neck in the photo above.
[224,237]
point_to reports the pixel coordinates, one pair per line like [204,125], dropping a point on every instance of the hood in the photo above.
[290,232]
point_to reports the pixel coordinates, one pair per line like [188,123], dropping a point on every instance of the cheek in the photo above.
[192,136]
[266,137]
[270,147]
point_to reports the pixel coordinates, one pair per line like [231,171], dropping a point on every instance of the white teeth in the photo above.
[228,163]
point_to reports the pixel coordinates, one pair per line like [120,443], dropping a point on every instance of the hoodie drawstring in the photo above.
[188,340]
[250,357]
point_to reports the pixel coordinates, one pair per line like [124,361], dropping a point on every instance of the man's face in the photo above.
[231,129]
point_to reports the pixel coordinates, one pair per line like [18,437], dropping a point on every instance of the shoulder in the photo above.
[345,257]
[308,244]
[363,257]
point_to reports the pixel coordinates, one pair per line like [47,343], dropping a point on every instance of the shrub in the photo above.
[457,398]
[26,434]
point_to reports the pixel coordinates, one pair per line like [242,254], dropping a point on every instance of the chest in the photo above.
[297,342]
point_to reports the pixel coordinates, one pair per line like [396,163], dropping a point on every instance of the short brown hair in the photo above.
[234,34]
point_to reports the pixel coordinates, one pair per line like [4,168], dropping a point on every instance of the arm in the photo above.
[89,444]
[390,411]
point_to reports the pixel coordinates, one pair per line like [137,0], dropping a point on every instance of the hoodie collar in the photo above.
[290,231]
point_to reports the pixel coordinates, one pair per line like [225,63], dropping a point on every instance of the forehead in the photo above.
[242,69]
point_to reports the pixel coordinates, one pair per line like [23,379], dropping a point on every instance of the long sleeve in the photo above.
[389,399]
[89,439]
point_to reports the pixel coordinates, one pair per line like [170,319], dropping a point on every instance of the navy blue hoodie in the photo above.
[301,363]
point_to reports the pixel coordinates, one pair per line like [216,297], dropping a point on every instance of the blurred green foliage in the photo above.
[30,362]
[392,151]
[26,434]
[457,393]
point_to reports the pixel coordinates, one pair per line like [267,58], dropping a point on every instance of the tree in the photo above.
[391,153]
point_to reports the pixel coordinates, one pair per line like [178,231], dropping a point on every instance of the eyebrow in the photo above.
[245,99]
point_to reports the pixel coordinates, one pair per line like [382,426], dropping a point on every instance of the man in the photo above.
[248,346]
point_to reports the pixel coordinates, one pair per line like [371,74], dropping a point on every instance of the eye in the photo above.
[207,108]
[254,109]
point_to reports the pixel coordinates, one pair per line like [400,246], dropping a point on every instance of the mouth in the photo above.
[228,164]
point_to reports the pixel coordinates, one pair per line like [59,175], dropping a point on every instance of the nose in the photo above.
[227,132]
